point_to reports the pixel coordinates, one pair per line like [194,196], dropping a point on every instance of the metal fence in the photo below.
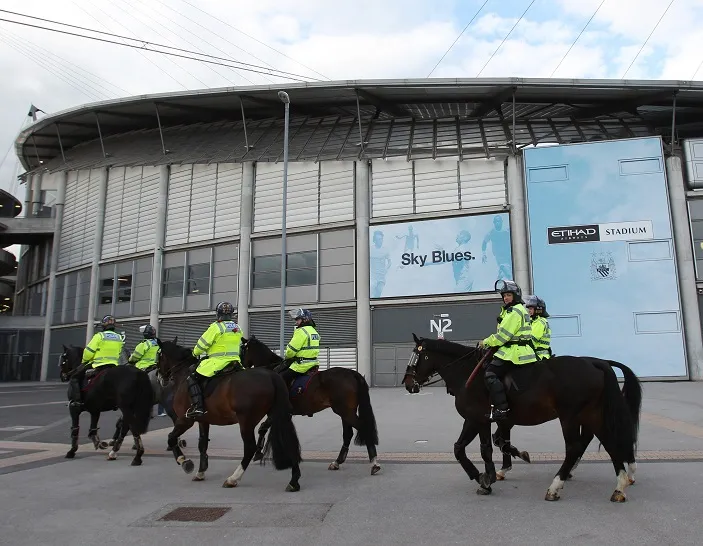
[20,367]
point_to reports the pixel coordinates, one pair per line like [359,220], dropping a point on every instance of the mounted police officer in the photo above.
[513,341]
[221,343]
[144,355]
[304,346]
[104,349]
[541,333]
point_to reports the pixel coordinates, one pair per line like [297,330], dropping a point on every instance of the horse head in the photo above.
[429,357]
[255,354]
[172,358]
[71,358]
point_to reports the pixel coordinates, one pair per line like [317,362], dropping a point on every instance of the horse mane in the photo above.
[447,347]
[262,344]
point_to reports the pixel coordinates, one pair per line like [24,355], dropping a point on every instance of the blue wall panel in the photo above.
[602,252]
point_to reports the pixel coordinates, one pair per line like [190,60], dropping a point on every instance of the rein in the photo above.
[415,357]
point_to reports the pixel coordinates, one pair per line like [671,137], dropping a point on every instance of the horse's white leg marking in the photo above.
[622,481]
[557,485]
[631,469]
[502,472]
[181,459]
[112,455]
[234,478]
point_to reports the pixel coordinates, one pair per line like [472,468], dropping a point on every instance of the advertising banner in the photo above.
[458,255]
[602,253]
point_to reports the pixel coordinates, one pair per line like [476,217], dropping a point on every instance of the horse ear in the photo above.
[65,349]
[417,341]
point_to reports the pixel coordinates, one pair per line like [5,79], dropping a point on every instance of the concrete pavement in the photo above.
[49,500]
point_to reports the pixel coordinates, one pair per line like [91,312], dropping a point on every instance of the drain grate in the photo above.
[196,513]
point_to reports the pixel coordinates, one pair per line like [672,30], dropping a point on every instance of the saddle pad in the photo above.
[213,381]
[300,384]
[521,378]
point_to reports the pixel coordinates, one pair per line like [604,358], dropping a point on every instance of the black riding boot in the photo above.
[74,387]
[496,393]
[196,398]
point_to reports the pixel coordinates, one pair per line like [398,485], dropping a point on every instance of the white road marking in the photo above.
[65,402]
[18,428]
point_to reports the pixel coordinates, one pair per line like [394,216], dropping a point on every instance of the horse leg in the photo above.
[468,433]
[263,429]
[137,461]
[179,428]
[124,427]
[347,435]
[93,432]
[489,476]
[586,437]
[350,417]
[75,428]
[246,429]
[574,450]
[619,466]
[501,439]
[202,448]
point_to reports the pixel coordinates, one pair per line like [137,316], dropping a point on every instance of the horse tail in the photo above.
[367,433]
[283,438]
[632,392]
[142,402]
[617,423]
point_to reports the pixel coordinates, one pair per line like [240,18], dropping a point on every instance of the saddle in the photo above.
[209,384]
[90,377]
[519,379]
[299,385]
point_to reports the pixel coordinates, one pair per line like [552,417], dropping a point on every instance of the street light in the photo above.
[286,101]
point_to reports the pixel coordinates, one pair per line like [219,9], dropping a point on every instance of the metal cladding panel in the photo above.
[113,213]
[229,199]
[337,327]
[303,194]
[202,203]
[436,185]
[188,329]
[70,215]
[336,191]
[391,187]
[129,225]
[482,183]
[340,357]
[178,214]
[92,191]
[148,213]
[693,155]
[268,195]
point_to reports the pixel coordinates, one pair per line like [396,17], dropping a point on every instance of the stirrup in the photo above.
[75,404]
[497,414]
[194,412]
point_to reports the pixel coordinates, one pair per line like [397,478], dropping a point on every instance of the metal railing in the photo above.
[20,367]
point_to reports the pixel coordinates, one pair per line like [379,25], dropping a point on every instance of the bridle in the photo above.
[415,357]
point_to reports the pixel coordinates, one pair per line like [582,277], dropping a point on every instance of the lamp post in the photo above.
[286,101]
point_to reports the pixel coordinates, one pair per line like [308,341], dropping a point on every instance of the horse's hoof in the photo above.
[70,454]
[182,444]
[228,485]
[525,456]
[375,469]
[500,475]
[618,496]
[290,488]
[136,462]
[103,444]
[485,481]
[552,496]
[111,457]
[484,491]
[333,466]
[198,478]
[188,466]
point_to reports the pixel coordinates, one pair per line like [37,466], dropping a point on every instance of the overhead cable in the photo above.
[506,37]
[457,38]
[647,40]
[577,38]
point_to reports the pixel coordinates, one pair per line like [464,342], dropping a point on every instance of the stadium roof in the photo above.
[488,115]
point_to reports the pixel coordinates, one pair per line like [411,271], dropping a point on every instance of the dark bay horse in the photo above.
[243,397]
[342,389]
[582,392]
[113,387]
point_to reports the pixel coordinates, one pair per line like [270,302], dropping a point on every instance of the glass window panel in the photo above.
[267,280]
[300,277]
[267,264]
[199,271]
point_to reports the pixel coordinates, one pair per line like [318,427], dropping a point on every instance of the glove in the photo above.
[481,345]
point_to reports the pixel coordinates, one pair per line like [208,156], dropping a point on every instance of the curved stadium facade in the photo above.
[406,201]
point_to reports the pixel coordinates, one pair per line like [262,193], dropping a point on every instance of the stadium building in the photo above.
[406,201]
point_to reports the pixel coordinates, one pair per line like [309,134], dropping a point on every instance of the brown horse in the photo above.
[341,389]
[582,392]
[242,397]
